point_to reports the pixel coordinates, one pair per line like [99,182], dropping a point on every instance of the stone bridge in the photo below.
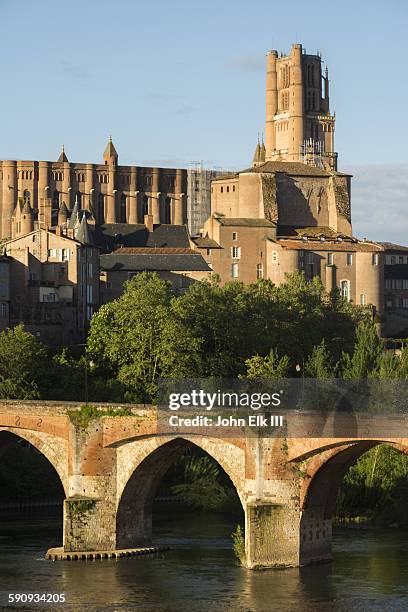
[111,465]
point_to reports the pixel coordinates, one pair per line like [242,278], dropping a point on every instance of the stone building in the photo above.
[127,250]
[54,283]
[292,209]
[110,192]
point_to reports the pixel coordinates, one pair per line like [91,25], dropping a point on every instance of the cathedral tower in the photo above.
[299,126]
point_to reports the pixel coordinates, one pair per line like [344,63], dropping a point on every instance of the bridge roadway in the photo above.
[110,470]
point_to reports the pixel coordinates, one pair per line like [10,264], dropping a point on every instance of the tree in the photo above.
[23,363]
[271,366]
[365,359]
[136,339]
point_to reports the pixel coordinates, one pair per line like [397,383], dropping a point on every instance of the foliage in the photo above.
[271,366]
[79,507]
[82,417]
[375,487]
[134,335]
[202,485]
[22,364]
[238,539]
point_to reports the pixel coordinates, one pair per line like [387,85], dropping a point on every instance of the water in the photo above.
[369,572]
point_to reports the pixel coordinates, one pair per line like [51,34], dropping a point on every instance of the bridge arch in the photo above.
[52,447]
[143,471]
[321,484]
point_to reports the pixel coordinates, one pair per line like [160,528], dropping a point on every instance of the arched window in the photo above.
[27,196]
[122,215]
[101,208]
[345,289]
[167,211]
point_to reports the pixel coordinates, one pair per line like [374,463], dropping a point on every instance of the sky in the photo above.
[180,82]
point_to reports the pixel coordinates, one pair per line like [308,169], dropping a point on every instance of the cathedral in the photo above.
[291,210]
[43,193]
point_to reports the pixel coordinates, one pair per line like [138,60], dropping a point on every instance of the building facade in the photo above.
[54,285]
[110,192]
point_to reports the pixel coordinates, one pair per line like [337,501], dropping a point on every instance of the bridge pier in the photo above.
[272,534]
[89,524]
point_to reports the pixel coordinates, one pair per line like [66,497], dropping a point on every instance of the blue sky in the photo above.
[175,82]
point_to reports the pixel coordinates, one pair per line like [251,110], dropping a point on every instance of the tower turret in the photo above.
[110,156]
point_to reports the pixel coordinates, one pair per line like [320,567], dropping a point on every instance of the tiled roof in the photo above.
[113,235]
[204,242]
[154,251]
[175,262]
[329,245]
[311,232]
[390,246]
[244,222]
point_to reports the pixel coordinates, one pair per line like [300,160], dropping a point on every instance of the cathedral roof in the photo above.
[74,216]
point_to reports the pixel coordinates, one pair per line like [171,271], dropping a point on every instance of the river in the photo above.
[369,571]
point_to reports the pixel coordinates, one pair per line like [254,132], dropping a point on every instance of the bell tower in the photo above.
[299,125]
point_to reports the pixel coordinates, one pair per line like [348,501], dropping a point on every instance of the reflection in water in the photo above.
[369,571]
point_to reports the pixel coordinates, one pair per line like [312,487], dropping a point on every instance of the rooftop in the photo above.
[244,222]
[114,235]
[151,261]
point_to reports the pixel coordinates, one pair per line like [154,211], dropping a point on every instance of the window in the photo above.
[234,235]
[49,297]
[90,270]
[349,259]
[209,252]
[274,256]
[362,299]
[227,188]
[89,294]
[222,189]
[309,258]
[52,252]
[345,289]
[3,310]
[64,254]
[89,312]
[375,259]
[405,303]
[3,289]
[405,284]
[101,208]
[236,252]
[388,283]
[393,259]
[233,188]
[330,259]
[400,259]
[234,270]
[259,270]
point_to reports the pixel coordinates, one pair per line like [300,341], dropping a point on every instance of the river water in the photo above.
[369,571]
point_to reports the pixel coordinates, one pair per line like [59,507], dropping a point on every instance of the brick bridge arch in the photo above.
[52,447]
[140,471]
[325,468]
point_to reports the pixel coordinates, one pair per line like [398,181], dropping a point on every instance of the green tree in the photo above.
[136,338]
[271,366]
[23,363]
[365,360]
